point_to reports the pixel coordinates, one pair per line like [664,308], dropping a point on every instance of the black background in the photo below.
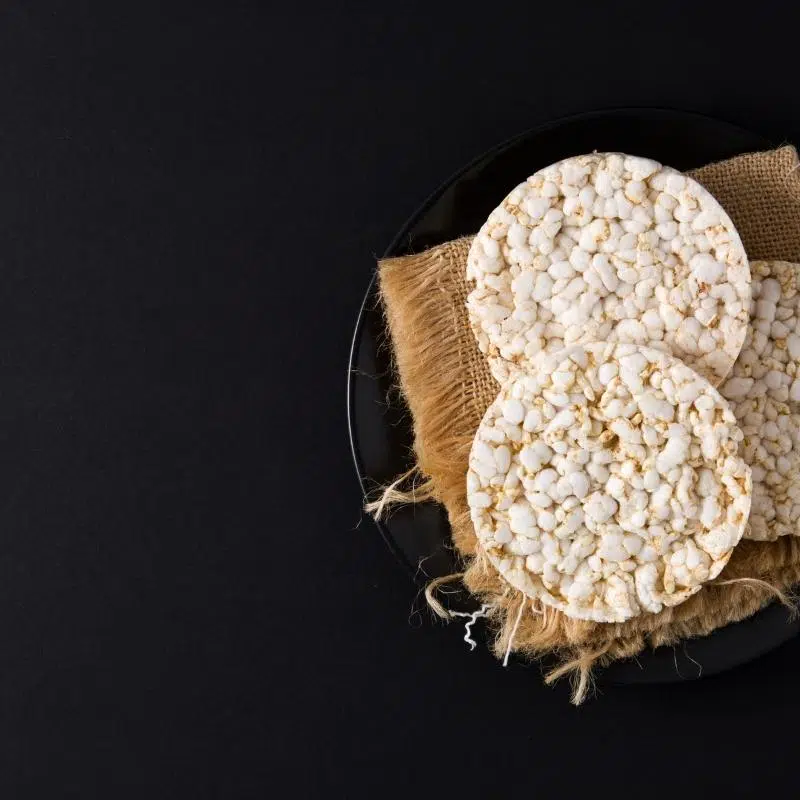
[191,198]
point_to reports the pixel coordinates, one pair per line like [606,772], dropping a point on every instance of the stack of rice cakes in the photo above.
[649,388]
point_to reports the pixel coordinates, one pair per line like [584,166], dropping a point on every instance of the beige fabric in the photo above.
[447,386]
[761,193]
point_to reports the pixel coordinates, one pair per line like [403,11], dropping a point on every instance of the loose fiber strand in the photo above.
[514,632]
[431,589]
[391,495]
[773,591]
[472,619]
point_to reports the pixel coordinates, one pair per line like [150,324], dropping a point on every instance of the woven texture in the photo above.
[447,385]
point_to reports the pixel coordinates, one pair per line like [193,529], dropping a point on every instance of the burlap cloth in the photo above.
[447,385]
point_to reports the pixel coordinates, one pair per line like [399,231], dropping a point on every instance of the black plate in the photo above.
[379,423]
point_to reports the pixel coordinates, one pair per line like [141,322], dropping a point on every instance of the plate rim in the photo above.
[395,248]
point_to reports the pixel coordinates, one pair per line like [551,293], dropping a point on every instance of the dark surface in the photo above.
[379,422]
[191,198]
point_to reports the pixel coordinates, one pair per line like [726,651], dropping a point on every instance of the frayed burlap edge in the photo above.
[447,386]
[757,574]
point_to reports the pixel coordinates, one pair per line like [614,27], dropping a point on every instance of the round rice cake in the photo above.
[609,247]
[764,392]
[607,481]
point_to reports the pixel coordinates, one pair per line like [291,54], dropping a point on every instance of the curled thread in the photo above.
[472,619]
